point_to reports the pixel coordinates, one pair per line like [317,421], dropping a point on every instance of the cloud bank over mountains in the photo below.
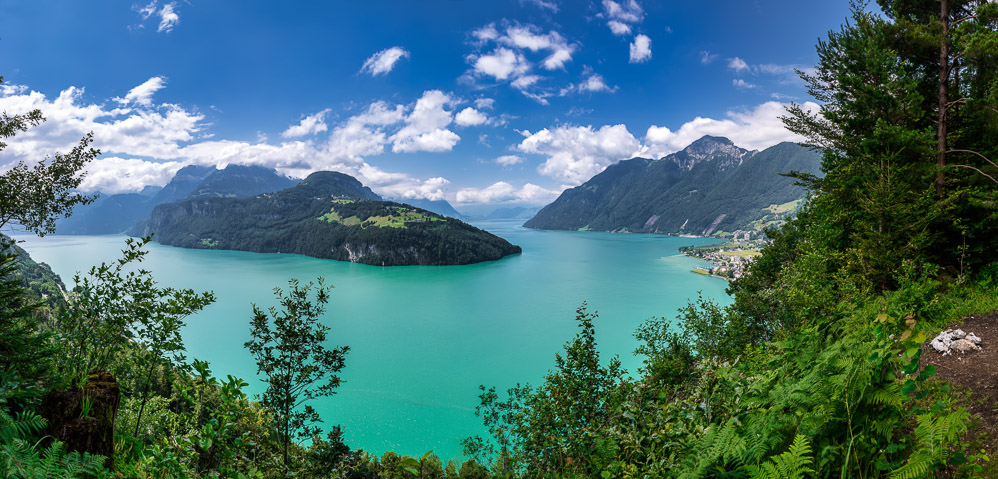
[145,142]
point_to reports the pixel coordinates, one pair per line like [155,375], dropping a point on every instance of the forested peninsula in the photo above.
[328,215]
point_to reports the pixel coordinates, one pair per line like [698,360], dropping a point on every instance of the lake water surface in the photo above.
[422,338]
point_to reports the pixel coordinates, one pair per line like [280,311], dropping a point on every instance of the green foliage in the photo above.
[289,349]
[19,458]
[114,305]
[789,465]
[557,427]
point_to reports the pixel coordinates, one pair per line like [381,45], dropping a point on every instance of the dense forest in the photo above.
[328,215]
[817,369]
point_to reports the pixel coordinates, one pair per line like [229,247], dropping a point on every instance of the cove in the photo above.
[422,338]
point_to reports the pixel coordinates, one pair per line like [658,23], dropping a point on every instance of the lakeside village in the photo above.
[729,259]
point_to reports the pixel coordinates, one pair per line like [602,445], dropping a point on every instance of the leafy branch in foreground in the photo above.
[289,348]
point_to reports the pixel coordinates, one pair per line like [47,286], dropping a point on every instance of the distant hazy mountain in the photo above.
[237,181]
[512,213]
[117,213]
[440,207]
[711,187]
[328,215]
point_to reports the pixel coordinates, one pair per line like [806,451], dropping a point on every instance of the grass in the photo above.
[401,217]
[700,271]
[208,242]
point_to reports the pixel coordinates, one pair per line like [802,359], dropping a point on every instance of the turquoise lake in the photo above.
[422,339]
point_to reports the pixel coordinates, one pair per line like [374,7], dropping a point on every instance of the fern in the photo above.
[792,464]
[19,426]
[933,437]
[20,459]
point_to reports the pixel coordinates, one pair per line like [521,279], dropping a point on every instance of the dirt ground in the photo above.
[975,372]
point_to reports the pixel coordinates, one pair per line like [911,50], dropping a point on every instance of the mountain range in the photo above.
[712,187]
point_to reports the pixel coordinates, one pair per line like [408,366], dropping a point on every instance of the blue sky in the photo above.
[476,102]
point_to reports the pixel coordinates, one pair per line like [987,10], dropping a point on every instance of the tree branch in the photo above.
[974,153]
[977,170]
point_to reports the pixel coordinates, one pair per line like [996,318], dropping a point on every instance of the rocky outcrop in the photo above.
[955,340]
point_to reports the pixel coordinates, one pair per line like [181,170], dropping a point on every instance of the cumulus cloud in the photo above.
[501,64]
[640,49]
[146,11]
[503,192]
[707,57]
[425,126]
[757,128]
[485,103]
[509,62]
[146,145]
[627,11]
[742,84]
[737,64]
[142,94]
[577,153]
[619,28]
[593,83]
[508,160]
[384,61]
[168,18]
[309,125]
[470,117]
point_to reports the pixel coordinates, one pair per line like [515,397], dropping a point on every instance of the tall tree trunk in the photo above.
[943,97]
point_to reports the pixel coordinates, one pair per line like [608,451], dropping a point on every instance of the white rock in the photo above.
[964,346]
[939,345]
[973,337]
[958,334]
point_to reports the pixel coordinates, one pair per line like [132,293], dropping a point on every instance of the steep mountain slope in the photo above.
[328,215]
[712,186]
[238,181]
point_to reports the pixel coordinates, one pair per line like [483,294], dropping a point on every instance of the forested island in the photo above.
[328,215]
[820,367]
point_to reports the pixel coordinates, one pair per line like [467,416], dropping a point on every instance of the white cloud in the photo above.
[470,117]
[503,192]
[577,153]
[754,129]
[425,126]
[742,84]
[484,103]
[142,94]
[737,64]
[619,28]
[486,33]
[546,5]
[528,37]
[114,175]
[640,49]
[501,64]
[309,125]
[146,11]
[707,57]
[144,146]
[509,160]
[592,84]
[384,61]
[627,11]
[168,18]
